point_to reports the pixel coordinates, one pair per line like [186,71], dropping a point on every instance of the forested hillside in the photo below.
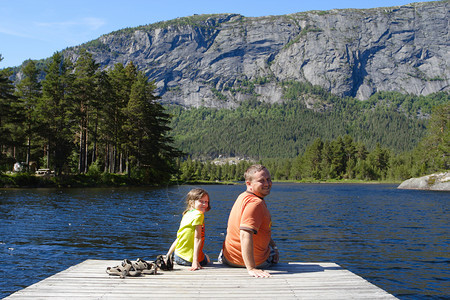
[284,130]
[343,158]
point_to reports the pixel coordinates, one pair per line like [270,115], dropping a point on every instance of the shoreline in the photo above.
[84,181]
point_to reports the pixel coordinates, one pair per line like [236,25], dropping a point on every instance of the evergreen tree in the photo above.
[312,159]
[99,116]
[434,150]
[338,162]
[379,161]
[350,156]
[296,168]
[6,98]
[120,80]
[28,91]
[146,129]
[54,111]
[84,99]
[326,163]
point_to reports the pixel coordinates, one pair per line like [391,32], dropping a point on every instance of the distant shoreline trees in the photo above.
[342,159]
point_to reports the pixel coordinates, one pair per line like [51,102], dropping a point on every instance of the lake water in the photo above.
[396,239]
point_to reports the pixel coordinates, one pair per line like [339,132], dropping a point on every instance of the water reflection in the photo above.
[396,239]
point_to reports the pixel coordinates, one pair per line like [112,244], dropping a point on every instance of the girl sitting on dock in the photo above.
[188,246]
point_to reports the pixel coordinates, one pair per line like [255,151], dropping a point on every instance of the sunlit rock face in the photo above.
[221,60]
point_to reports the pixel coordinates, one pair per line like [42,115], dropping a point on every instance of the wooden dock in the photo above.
[88,280]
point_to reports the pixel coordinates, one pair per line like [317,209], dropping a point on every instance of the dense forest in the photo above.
[389,137]
[343,158]
[284,130]
[80,119]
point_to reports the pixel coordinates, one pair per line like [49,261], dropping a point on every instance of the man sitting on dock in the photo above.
[248,242]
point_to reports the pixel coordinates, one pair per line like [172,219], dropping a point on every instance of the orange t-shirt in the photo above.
[249,212]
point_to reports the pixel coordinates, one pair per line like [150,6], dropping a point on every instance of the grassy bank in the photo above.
[342,181]
[24,180]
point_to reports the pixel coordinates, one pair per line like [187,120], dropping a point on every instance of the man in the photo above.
[248,242]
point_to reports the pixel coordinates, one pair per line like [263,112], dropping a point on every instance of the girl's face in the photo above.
[202,203]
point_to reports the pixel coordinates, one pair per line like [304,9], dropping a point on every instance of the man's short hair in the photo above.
[248,175]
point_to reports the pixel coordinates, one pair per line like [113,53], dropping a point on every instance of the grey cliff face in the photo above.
[207,60]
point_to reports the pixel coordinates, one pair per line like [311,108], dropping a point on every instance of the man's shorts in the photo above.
[269,262]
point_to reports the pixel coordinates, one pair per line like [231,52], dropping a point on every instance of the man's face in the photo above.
[260,184]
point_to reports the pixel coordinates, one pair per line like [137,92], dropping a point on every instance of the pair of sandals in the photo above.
[164,262]
[137,268]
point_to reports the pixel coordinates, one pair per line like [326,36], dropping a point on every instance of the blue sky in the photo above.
[33,29]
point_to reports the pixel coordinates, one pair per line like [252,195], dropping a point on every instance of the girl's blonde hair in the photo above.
[195,194]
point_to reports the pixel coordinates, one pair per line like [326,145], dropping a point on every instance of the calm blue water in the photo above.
[396,239]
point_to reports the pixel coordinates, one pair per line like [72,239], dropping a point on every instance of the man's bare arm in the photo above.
[246,237]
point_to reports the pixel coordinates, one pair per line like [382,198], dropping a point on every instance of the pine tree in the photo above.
[338,162]
[312,159]
[434,150]
[146,129]
[6,98]
[84,99]
[120,81]
[54,112]
[28,93]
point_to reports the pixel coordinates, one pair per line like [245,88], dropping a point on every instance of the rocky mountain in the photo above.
[220,60]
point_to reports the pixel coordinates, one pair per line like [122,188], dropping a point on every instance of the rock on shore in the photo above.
[433,182]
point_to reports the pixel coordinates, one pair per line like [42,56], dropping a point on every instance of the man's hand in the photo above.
[258,273]
[195,266]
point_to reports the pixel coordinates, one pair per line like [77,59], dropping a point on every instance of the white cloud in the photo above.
[86,23]
[94,23]
[16,33]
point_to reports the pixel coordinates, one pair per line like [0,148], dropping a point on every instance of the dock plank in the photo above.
[88,280]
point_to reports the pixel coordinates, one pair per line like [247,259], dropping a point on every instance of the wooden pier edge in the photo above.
[296,280]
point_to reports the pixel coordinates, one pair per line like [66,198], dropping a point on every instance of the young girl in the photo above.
[188,245]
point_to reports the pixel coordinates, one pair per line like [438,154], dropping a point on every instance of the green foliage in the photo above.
[434,150]
[194,21]
[411,105]
[339,159]
[25,180]
[261,130]
[95,169]
[97,45]
[28,92]
[7,113]
[87,121]
[54,111]
[198,21]
[74,180]
[218,94]
[6,181]
[191,171]
[337,139]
